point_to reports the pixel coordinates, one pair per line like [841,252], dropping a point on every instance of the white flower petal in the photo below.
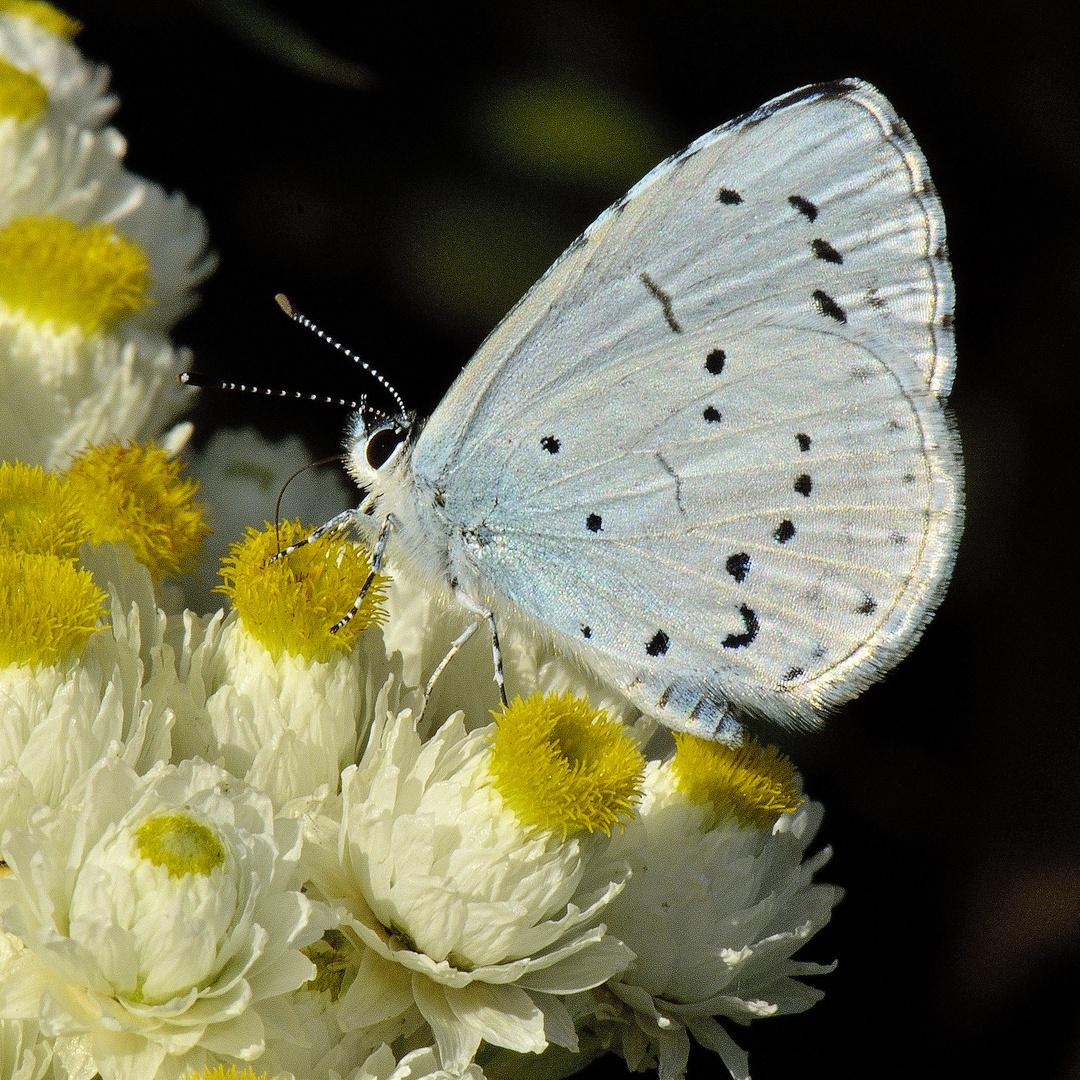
[501,1015]
[76,88]
[457,1042]
[710,1034]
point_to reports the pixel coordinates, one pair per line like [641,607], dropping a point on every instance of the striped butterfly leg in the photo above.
[377,556]
[488,616]
[335,524]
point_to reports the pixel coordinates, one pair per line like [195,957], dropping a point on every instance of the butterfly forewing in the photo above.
[706,447]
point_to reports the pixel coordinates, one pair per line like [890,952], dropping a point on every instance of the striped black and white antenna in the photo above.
[197,379]
[307,324]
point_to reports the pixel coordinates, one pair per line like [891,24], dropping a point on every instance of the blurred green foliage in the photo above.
[571,132]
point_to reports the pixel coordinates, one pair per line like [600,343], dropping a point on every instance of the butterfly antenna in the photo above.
[304,321]
[195,378]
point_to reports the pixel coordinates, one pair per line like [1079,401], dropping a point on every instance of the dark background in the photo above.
[408,211]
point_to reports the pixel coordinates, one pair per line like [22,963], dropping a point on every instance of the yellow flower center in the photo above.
[179,844]
[48,607]
[87,276]
[752,783]
[22,94]
[38,512]
[291,605]
[219,1072]
[136,495]
[45,15]
[564,766]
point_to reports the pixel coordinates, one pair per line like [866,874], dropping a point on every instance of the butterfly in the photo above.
[707,452]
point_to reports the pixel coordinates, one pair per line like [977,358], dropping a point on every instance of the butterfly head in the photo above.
[377,444]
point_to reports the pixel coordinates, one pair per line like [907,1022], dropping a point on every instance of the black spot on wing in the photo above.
[550,444]
[658,645]
[793,673]
[712,414]
[804,206]
[784,531]
[728,197]
[803,485]
[665,301]
[750,621]
[738,566]
[803,440]
[586,632]
[593,523]
[823,250]
[828,306]
[714,362]
[868,605]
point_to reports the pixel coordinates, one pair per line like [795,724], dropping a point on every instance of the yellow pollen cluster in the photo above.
[752,783]
[39,512]
[136,495]
[48,607]
[22,94]
[45,15]
[87,276]
[564,766]
[181,845]
[292,604]
[219,1072]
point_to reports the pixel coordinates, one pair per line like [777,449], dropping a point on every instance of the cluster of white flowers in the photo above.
[233,839]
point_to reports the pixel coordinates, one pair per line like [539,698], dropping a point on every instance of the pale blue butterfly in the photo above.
[707,452]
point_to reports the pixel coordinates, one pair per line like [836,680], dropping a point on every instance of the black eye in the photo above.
[381,445]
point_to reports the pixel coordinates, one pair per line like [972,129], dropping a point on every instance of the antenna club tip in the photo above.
[183,378]
[283,303]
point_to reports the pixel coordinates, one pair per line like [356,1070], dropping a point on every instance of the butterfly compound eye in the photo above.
[382,444]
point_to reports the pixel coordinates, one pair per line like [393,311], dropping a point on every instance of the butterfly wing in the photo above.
[707,448]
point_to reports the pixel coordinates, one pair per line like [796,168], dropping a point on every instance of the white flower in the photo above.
[416,1065]
[465,915]
[162,918]
[240,474]
[714,915]
[60,393]
[96,265]
[78,175]
[286,726]
[24,1055]
[58,720]
[75,89]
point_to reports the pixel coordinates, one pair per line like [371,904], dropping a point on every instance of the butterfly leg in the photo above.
[455,648]
[376,565]
[339,521]
[496,649]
